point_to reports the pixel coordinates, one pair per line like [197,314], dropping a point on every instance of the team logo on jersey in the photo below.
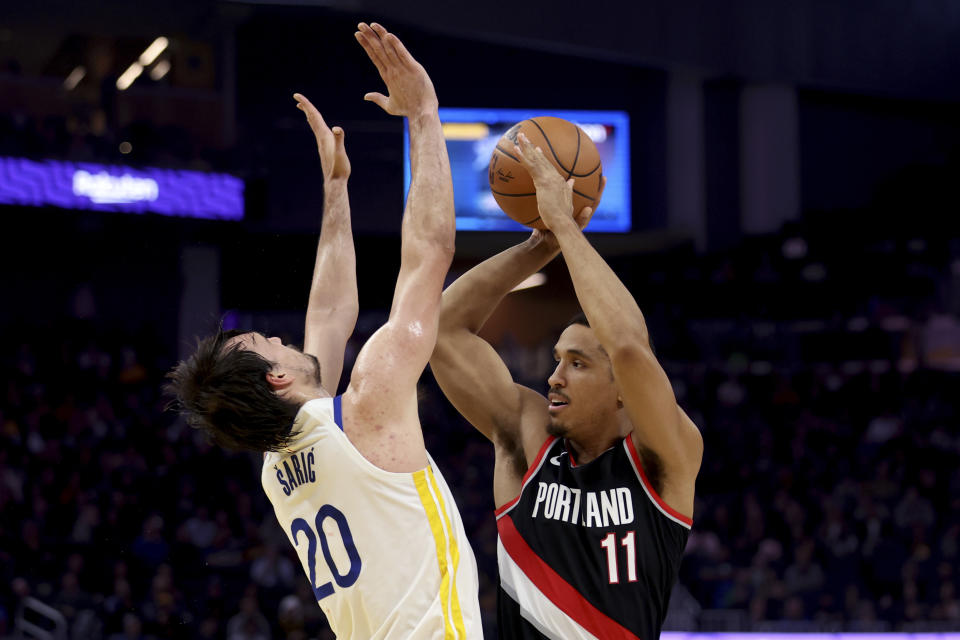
[587,508]
[555,460]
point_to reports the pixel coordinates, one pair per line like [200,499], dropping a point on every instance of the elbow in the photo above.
[452,323]
[428,252]
[445,248]
[631,346]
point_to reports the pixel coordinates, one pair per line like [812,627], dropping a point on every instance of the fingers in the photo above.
[603,185]
[378,98]
[338,137]
[387,41]
[399,50]
[583,218]
[371,43]
[314,118]
[533,159]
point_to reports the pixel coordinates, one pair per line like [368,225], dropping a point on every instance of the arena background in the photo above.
[795,248]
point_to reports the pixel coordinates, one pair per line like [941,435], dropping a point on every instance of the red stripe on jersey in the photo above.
[566,445]
[526,477]
[650,490]
[556,589]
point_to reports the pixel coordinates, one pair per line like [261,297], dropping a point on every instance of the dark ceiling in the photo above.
[881,47]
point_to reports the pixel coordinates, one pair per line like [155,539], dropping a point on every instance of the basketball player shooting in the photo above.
[594,483]
[362,502]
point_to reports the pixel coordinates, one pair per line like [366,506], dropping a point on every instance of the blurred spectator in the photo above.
[828,493]
[132,629]
[272,570]
[249,624]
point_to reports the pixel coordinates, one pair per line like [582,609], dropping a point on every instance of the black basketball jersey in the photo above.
[587,551]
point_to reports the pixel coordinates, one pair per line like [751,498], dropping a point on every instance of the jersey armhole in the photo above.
[338,411]
[658,502]
[537,463]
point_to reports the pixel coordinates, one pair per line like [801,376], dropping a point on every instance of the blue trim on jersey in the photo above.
[338,411]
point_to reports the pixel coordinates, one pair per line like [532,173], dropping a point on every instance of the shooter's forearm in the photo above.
[469,301]
[611,309]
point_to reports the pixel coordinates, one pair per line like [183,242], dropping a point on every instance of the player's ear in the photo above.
[279,380]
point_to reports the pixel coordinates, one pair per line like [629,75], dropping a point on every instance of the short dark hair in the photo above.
[223,391]
[580,318]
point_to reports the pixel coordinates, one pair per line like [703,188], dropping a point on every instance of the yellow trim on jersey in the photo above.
[455,554]
[440,540]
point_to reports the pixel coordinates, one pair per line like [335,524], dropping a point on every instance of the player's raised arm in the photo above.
[470,372]
[333,305]
[381,401]
[659,424]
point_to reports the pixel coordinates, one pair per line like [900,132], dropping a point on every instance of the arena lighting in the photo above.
[150,54]
[98,187]
[159,70]
[465,130]
[535,280]
[132,73]
[72,80]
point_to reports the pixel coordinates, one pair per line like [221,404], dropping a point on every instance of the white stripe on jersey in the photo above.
[651,494]
[535,607]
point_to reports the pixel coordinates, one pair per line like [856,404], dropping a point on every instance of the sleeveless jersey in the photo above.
[587,551]
[385,552]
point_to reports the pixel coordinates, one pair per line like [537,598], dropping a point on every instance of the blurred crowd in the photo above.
[828,498]
[87,134]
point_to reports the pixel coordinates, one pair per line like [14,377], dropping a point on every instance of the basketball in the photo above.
[566,146]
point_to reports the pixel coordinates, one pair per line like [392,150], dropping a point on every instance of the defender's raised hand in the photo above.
[333,155]
[410,89]
[554,195]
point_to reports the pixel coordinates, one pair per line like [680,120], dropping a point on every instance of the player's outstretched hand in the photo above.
[333,155]
[554,195]
[410,89]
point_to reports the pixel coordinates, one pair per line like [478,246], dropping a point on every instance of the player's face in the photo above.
[582,392]
[284,357]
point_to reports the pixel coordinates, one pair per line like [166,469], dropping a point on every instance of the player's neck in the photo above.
[306,393]
[588,445]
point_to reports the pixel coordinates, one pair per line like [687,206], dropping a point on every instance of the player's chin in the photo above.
[556,428]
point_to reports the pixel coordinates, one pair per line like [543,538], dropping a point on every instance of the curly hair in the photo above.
[223,391]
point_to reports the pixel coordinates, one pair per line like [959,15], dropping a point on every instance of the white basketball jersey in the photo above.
[385,552]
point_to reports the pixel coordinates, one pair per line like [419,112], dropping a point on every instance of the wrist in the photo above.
[425,115]
[541,243]
[565,227]
[335,182]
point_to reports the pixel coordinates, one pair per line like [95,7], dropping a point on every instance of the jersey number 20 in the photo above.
[344,580]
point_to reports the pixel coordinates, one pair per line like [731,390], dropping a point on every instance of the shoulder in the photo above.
[532,422]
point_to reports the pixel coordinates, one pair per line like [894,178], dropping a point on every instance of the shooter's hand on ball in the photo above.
[546,238]
[410,90]
[333,155]
[554,195]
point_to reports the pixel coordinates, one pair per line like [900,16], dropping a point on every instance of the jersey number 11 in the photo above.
[629,543]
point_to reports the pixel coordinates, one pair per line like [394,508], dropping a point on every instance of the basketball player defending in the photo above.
[366,508]
[593,484]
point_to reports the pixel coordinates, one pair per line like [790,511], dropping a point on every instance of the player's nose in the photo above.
[555,379]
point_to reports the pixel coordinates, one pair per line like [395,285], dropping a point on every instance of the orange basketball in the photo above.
[570,150]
